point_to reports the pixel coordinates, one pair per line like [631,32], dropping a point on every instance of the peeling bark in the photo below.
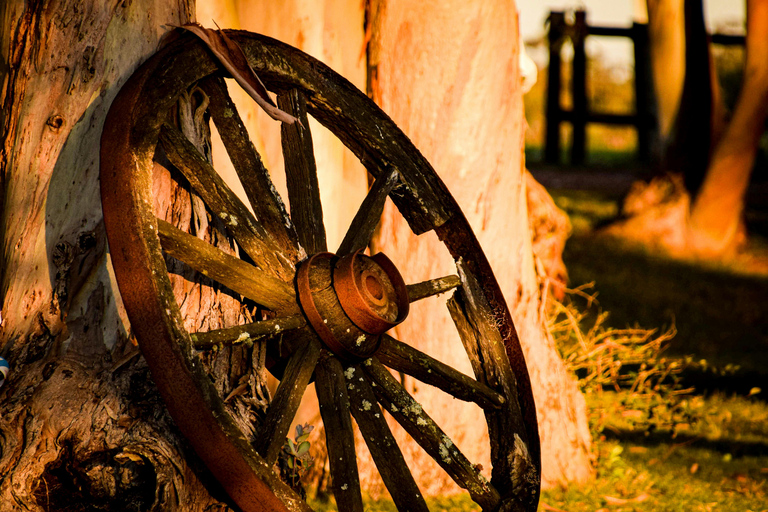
[454,87]
[81,424]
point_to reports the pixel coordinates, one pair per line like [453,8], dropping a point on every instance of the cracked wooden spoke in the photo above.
[301,173]
[232,272]
[432,287]
[429,435]
[366,219]
[339,436]
[382,445]
[223,203]
[247,332]
[265,201]
[510,452]
[271,435]
[403,358]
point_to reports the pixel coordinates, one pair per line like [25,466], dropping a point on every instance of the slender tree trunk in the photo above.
[716,214]
[447,72]
[667,42]
[697,211]
[83,427]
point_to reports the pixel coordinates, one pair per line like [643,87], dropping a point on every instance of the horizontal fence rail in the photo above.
[644,117]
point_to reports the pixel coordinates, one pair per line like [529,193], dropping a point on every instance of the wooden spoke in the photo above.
[403,358]
[429,435]
[432,287]
[247,332]
[232,272]
[339,436]
[382,445]
[301,173]
[222,202]
[282,410]
[366,219]
[510,452]
[265,201]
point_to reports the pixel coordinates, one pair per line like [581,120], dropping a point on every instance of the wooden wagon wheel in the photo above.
[336,306]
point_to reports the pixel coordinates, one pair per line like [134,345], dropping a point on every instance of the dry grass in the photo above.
[628,361]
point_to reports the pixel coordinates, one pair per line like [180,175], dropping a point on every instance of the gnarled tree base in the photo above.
[79,438]
[657,217]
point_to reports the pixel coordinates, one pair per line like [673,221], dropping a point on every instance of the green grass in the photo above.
[666,477]
[456,503]
[719,462]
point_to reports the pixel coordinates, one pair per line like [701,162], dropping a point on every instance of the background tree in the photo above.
[697,210]
[81,421]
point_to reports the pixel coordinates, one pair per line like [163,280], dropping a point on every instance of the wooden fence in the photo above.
[644,116]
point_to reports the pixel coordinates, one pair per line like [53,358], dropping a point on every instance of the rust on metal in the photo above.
[351,301]
[371,291]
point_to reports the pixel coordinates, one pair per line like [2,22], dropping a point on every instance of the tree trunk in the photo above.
[697,210]
[447,73]
[83,426]
[716,214]
[667,49]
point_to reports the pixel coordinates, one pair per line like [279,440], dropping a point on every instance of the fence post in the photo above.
[645,99]
[579,89]
[554,112]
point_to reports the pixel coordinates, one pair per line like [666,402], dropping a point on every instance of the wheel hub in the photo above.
[351,301]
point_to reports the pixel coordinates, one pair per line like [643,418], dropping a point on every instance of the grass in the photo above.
[719,462]
[704,451]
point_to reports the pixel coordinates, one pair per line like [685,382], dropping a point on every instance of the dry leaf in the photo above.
[233,59]
[239,390]
[550,508]
[621,501]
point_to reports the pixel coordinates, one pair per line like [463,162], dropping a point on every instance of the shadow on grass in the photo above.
[735,448]
[721,316]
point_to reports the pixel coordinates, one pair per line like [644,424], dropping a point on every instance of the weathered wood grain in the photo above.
[339,436]
[301,173]
[366,219]
[514,471]
[409,413]
[382,444]
[271,435]
[424,289]
[402,357]
[246,332]
[232,272]
[266,203]
[223,203]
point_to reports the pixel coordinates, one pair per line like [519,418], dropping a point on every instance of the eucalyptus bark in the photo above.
[452,83]
[82,424]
